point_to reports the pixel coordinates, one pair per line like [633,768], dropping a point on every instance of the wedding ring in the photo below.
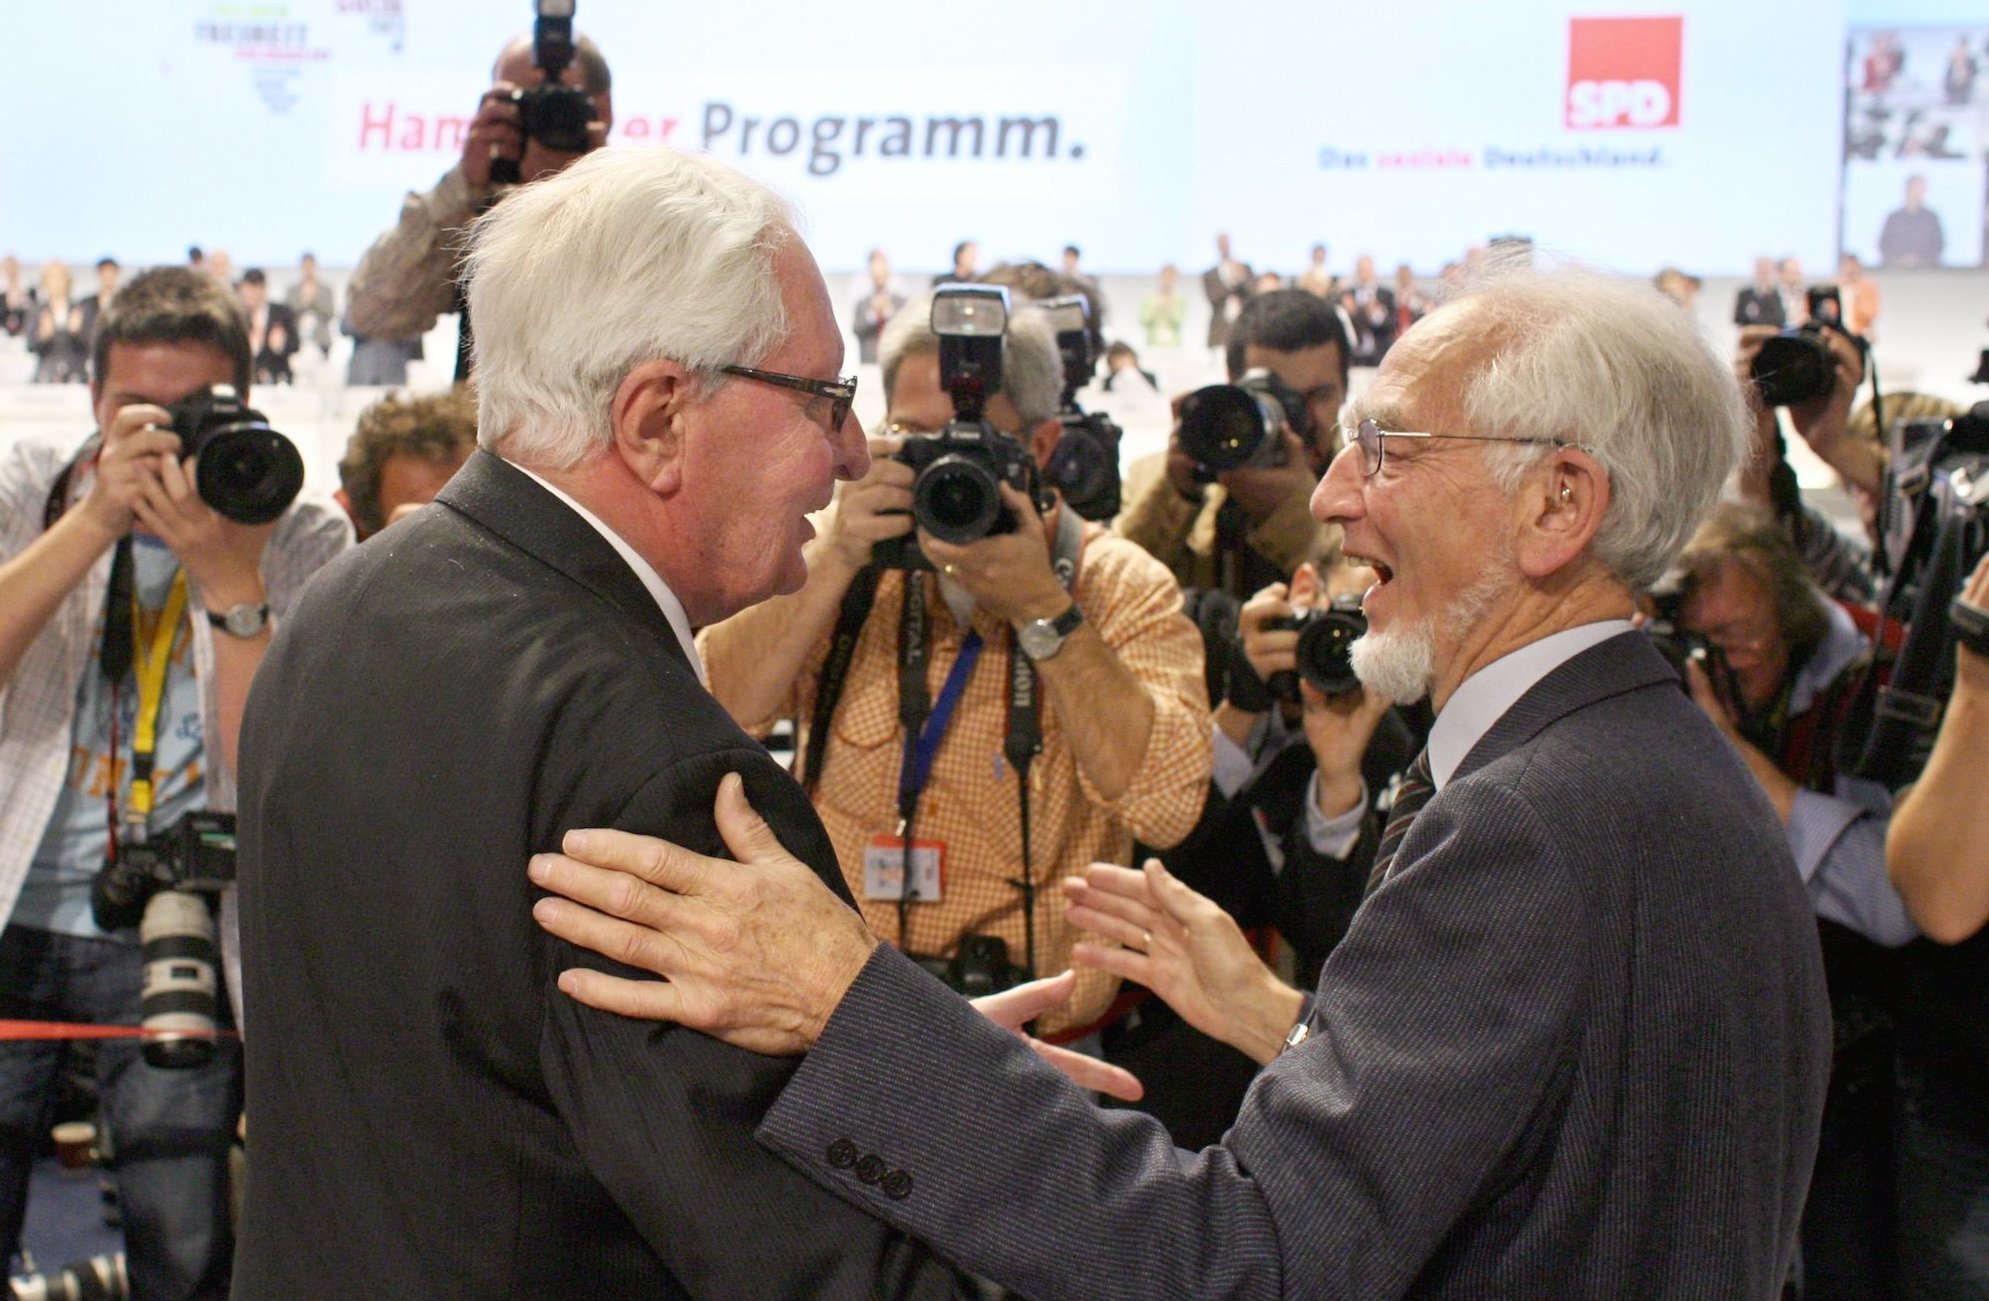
[949,570]
[1146,941]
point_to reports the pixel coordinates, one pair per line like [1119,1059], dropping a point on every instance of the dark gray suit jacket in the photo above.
[1574,1047]
[432,1117]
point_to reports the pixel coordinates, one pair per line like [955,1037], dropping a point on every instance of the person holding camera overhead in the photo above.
[520,133]
[1115,743]
[135,608]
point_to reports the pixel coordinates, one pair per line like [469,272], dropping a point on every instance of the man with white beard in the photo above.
[1574,1042]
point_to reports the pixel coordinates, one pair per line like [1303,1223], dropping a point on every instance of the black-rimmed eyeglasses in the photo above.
[1371,439]
[841,393]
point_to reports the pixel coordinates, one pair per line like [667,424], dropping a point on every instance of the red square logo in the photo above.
[1623,73]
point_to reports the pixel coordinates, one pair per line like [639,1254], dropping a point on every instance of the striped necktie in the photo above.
[1414,792]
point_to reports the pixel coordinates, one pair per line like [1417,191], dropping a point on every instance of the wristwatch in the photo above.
[244,620]
[1042,638]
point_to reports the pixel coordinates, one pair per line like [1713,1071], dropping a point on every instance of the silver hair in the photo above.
[1614,366]
[628,256]
[1032,368]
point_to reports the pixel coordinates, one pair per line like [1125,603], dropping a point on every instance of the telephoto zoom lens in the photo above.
[182,981]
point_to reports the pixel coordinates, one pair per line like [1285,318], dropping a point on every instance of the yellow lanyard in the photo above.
[151,664]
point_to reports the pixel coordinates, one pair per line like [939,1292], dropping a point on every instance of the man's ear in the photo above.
[647,420]
[1561,511]
[1305,584]
[1043,440]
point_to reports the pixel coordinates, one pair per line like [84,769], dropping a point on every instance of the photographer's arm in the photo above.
[34,583]
[755,657]
[1824,422]
[1940,827]
[408,277]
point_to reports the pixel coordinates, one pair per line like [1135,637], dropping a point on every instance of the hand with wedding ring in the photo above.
[1187,950]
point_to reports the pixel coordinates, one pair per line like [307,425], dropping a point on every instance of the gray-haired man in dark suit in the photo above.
[1574,1043]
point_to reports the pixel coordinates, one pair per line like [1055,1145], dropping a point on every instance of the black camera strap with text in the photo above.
[1023,739]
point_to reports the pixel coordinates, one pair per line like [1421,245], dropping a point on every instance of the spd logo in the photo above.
[1623,73]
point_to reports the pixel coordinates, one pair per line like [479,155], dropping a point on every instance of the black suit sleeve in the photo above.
[664,1116]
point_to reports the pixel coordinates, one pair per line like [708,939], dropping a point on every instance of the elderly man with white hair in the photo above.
[659,410]
[1574,1043]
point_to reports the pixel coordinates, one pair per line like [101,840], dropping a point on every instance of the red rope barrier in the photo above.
[15,1031]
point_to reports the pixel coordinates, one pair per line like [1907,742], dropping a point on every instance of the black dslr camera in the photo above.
[1681,646]
[1795,366]
[957,494]
[1326,636]
[553,113]
[166,887]
[248,471]
[1085,467]
[1242,425]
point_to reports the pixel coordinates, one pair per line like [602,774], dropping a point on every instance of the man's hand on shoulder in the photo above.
[756,952]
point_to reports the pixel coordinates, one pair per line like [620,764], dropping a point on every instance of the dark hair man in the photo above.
[203,591]
[403,451]
[1574,1042]
[1251,527]
[431,1118]
[408,278]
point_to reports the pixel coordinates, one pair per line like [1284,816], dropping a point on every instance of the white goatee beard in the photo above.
[1401,662]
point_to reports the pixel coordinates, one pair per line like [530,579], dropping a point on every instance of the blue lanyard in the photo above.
[923,746]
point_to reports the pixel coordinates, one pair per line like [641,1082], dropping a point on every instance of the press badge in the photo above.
[884,869]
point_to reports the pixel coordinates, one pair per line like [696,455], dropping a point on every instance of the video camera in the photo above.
[553,113]
[957,494]
[1934,526]
[166,887]
[1795,366]
[1085,467]
[1242,425]
[248,472]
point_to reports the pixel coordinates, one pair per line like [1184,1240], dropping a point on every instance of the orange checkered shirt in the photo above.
[969,803]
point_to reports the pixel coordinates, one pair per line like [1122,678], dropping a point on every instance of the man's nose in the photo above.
[852,449]
[1337,499]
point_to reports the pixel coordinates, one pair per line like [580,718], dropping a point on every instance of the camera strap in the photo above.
[58,492]
[812,752]
[127,648]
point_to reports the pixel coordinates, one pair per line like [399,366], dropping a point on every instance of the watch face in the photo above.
[1038,639]
[245,620]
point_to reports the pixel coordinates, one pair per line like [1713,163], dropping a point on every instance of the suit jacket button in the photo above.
[897,1185]
[842,1154]
[871,1168]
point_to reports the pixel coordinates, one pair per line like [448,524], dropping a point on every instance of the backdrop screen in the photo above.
[1697,132]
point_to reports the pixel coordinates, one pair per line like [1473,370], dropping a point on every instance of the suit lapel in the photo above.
[1625,662]
[503,499]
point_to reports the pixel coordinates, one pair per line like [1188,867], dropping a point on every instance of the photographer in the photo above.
[1945,815]
[408,277]
[1123,721]
[1822,415]
[403,451]
[1251,526]
[125,515]
[1287,837]
[1778,678]
[1935,852]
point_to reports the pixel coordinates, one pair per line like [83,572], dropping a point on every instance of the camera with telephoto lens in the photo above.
[1242,425]
[1085,467]
[1796,366]
[956,495]
[166,886]
[1326,635]
[553,113]
[100,1278]
[248,472]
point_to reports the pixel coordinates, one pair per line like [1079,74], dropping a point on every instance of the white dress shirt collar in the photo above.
[1484,697]
[666,600]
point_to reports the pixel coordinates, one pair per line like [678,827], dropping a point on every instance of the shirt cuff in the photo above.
[1333,837]
[1816,821]
[1233,764]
